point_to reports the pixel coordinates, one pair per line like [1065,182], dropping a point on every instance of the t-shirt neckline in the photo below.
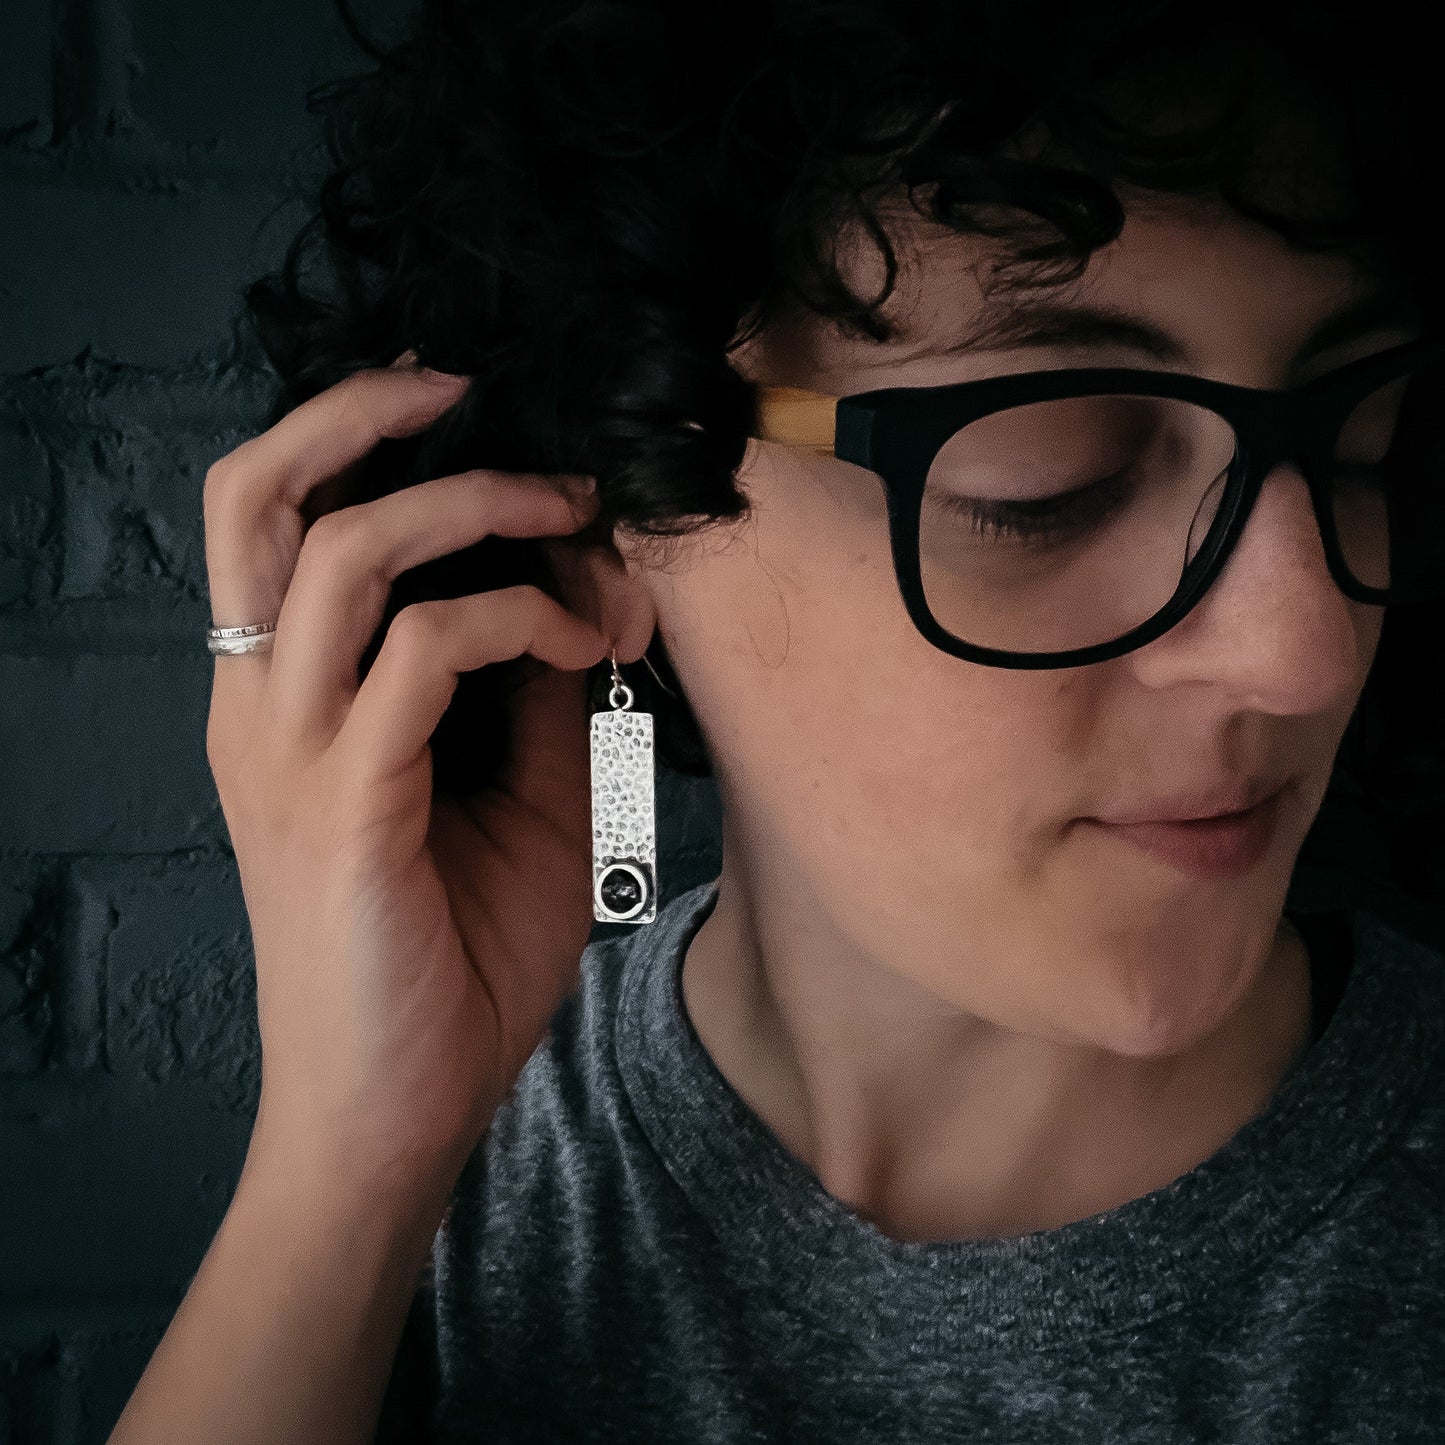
[782,1232]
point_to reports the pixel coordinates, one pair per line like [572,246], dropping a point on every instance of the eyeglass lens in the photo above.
[1067,523]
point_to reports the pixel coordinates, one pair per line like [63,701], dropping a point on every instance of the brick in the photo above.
[96,1375]
[15,581]
[123,1202]
[132,510]
[29,1391]
[105,754]
[25,75]
[87,392]
[127,520]
[29,909]
[91,65]
[152,277]
[71,1388]
[232,78]
[21,879]
[102,469]
[28,557]
[167,942]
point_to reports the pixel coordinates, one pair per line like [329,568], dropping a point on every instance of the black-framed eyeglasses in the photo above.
[1059,518]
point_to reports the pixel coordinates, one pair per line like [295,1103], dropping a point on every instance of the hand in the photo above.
[409,955]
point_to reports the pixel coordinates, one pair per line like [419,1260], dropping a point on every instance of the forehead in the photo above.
[1184,260]
[1235,298]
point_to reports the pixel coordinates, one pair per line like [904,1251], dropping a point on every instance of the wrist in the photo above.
[322,1187]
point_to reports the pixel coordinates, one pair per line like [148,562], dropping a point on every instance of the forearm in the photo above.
[290,1327]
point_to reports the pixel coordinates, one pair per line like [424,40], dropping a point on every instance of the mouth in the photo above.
[1223,846]
[1204,805]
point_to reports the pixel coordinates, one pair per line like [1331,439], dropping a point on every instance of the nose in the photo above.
[1274,625]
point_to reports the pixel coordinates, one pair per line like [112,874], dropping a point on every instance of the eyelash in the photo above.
[1072,514]
[1054,519]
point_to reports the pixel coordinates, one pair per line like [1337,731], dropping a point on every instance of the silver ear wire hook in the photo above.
[616,679]
[660,682]
[621,695]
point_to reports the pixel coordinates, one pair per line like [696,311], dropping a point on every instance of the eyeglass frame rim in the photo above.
[882,431]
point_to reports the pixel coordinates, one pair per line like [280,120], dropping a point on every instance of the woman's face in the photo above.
[930,808]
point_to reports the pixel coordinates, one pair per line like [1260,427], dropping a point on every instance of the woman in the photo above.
[981,1095]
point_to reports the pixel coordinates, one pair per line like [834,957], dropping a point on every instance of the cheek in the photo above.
[921,799]
[843,735]
[961,795]
[948,767]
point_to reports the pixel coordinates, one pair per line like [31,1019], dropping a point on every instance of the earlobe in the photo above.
[638,628]
[634,609]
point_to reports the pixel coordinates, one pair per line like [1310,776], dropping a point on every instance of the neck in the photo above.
[939,1124]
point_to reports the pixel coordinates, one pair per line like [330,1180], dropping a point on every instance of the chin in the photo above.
[1164,990]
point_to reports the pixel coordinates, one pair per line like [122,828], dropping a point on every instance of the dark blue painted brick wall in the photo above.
[143,149]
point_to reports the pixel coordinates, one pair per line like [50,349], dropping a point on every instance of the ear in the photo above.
[608,588]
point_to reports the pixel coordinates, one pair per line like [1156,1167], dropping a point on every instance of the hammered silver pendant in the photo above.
[624,823]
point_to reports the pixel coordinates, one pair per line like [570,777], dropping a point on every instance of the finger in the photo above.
[350,558]
[338,427]
[253,528]
[252,523]
[429,644]
[248,561]
[338,491]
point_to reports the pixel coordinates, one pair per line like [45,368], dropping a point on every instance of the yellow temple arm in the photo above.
[796,418]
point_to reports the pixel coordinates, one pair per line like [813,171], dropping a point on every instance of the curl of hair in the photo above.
[585,204]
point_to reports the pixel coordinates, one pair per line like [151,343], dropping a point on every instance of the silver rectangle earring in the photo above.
[624,820]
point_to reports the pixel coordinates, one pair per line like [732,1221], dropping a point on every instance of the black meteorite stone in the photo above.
[620,890]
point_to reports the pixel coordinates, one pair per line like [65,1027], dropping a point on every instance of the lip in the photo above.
[1204,806]
[1219,847]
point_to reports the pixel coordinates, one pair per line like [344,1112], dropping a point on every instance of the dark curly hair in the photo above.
[584,205]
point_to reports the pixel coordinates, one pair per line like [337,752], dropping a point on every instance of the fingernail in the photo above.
[407,362]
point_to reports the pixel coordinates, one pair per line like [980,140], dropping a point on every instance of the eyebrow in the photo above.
[1043,324]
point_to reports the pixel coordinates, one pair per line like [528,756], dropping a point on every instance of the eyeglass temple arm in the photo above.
[794,417]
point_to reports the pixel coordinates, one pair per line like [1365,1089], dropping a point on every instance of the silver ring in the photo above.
[234,641]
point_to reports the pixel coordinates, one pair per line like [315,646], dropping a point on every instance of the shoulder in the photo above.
[567,1092]
[568,1122]
[523,1213]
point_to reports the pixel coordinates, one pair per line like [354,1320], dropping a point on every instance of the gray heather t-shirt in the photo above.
[632,1256]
